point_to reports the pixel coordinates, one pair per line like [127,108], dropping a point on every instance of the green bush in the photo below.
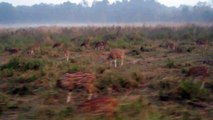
[120,43]
[23,64]
[74,68]
[20,90]
[115,80]
[170,64]
[188,89]
[6,73]
[65,113]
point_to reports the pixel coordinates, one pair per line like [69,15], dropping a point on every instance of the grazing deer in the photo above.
[12,50]
[67,54]
[170,46]
[85,44]
[101,45]
[101,105]
[33,49]
[58,45]
[70,81]
[116,54]
[198,71]
[201,42]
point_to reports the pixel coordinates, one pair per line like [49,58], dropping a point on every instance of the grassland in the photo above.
[155,76]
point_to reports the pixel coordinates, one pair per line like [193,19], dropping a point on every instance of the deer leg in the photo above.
[109,90]
[115,62]
[122,62]
[32,52]
[203,85]
[69,97]
[67,58]
[90,96]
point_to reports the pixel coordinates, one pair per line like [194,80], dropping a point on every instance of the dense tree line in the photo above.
[103,12]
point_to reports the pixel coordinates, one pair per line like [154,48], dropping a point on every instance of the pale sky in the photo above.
[165,2]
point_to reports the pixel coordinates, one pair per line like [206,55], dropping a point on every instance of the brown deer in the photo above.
[33,49]
[58,45]
[101,105]
[85,44]
[67,54]
[101,45]
[116,54]
[170,46]
[70,81]
[198,71]
[12,50]
[201,42]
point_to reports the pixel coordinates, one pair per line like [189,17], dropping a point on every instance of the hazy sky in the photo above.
[166,2]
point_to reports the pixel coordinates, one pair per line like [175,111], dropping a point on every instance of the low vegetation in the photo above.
[152,84]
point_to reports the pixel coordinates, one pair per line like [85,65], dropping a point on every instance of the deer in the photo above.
[12,50]
[101,45]
[116,54]
[33,49]
[66,54]
[201,42]
[170,46]
[198,71]
[58,45]
[101,105]
[85,44]
[70,81]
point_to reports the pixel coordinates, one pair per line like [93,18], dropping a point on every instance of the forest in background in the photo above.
[102,12]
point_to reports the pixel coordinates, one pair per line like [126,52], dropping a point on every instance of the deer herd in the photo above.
[71,81]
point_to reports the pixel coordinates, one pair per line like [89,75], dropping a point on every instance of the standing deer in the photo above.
[67,54]
[201,42]
[101,45]
[33,49]
[70,81]
[12,50]
[101,105]
[116,54]
[58,45]
[170,46]
[198,71]
[85,44]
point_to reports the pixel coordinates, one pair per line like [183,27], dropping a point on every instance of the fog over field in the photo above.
[123,12]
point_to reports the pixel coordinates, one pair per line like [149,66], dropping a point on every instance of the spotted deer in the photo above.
[58,45]
[12,50]
[34,48]
[70,81]
[201,42]
[198,71]
[101,105]
[67,54]
[85,44]
[170,46]
[101,45]
[116,54]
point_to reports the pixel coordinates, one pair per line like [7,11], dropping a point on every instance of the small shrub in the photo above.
[12,105]
[74,68]
[6,73]
[132,109]
[116,81]
[44,113]
[170,64]
[22,64]
[191,90]
[20,90]
[32,65]
[65,112]
[137,76]
[134,52]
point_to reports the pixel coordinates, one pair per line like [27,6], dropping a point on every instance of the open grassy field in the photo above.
[151,85]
